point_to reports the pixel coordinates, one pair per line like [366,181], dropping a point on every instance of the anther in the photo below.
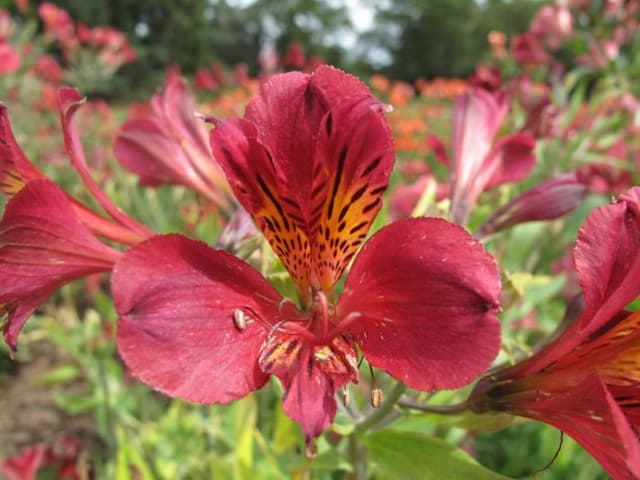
[377,397]
[240,319]
[346,399]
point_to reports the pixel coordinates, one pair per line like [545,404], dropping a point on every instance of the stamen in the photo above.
[377,396]
[344,324]
[283,302]
[346,398]
[290,327]
[312,451]
[242,316]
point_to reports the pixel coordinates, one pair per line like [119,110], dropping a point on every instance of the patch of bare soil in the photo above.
[28,413]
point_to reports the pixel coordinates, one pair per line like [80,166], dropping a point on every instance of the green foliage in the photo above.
[415,456]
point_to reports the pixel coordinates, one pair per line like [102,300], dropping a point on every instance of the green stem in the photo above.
[358,457]
[380,413]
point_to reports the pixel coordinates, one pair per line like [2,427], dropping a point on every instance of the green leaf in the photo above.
[412,455]
[246,415]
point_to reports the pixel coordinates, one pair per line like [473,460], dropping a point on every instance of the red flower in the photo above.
[487,77]
[48,69]
[170,145]
[43,245]
[309,161]
[477,165]
[47,238]
[16,171]
[586,382]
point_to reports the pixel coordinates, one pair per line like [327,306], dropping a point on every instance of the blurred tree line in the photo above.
[408,38]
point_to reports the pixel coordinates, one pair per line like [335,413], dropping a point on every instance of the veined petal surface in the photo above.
[427,294]
[309,161]
[192,319]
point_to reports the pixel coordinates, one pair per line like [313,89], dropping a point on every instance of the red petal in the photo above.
[549,200]
[310,164]
[607,256]
[287,115]
[70,101]
[476,120]
[24,465]
[510,160]
[439,150]
[590,415]
[353,162]
[143,147]
[43,245]
[177,299]
[177,106]
[254,179]
[310,375]
[15,167]
[428,295]
[310,399]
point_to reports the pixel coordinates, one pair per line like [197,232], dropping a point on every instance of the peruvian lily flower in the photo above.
[586,381]
[43,246]
[478,164]
[16,170]
[48,239]
[547,201]
[170,145]
[309,161]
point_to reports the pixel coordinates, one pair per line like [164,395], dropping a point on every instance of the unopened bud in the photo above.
[377,397]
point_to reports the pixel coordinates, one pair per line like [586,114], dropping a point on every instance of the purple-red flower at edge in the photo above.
[586,381]
[47,238]
[309,161]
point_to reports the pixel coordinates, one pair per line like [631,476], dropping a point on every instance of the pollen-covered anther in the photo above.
[377,397]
